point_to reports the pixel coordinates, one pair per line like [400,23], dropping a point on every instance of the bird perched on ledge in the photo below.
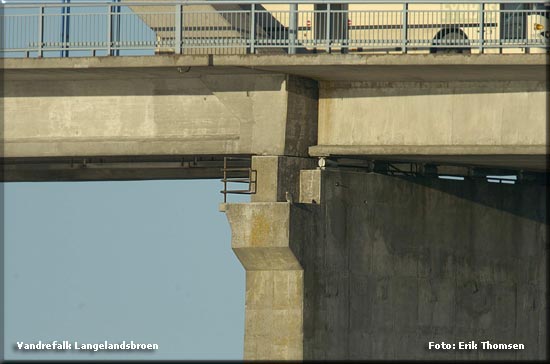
[288,197]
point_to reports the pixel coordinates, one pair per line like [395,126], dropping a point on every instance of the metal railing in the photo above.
[217,27]
[228,179]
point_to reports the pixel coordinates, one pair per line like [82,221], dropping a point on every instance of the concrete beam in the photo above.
[497,123]
[322,67]
[67,113]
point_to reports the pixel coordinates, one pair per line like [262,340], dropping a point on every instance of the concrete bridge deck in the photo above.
[167,107]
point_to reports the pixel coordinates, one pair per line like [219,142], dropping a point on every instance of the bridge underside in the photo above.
[146,117]
[534,162]
[121,168]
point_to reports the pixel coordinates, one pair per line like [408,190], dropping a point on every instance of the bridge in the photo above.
[355,243]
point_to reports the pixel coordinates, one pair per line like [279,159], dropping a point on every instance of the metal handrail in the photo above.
[173,27]
[250,180]
[248,2]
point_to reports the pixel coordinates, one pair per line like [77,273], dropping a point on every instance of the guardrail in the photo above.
[214,27]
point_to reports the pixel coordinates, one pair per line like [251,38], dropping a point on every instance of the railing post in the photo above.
[327,33]
[481,27]
[252,27]
[178,29]
[115,29]
[40,31]
[404,29]
[225,180]
[65,28]
[109,30]
[292,28]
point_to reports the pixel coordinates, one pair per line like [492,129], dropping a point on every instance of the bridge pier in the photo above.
[370,266]
[262,234]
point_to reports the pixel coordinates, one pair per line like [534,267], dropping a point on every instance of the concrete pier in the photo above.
[390,264]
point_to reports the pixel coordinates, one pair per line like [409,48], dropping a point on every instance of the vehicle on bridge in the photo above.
[416,26]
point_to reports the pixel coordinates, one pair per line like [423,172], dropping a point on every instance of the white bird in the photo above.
[288,196]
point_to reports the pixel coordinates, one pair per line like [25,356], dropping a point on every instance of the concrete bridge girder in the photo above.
[152,115]
[499,123]
[422,107]
[177,114]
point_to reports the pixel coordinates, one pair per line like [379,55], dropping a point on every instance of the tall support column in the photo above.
[261,237]
[266,236]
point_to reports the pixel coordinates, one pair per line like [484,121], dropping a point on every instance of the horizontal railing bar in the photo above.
[412,45]
[237,169]
[235,180]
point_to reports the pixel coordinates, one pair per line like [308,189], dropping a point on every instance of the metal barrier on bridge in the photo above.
[240,27]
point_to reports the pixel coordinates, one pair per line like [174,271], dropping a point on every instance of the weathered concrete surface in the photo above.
[415,106]
[392,264]
[504,120]
[324,67]
[384,265]
[59,115]
[261,236]
[278,178]
[310,186]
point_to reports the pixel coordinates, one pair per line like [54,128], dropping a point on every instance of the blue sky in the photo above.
[148,261]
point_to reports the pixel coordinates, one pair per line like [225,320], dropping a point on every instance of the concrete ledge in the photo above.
[324,67]
[272,259]
[532,158]
[260,235]
[327,150]
[381,60]
[105,62]
[278,60]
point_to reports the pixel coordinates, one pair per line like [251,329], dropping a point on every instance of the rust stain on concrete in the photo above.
[259,230]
